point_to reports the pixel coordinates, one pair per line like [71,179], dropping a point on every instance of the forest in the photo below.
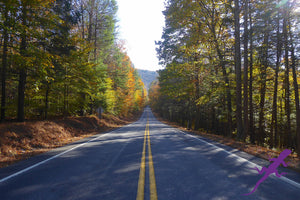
[231,67]
[63,58]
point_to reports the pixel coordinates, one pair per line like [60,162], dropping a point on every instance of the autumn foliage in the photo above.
[62,58]
[232,68]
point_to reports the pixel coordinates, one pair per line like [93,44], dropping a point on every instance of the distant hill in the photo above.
[147,77]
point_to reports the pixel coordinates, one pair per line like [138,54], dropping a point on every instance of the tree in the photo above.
[31,16]
[199,50]
[251,109]
[68,47]
[295,84]
[22,68]
[187,39]
[246,63]
[238,73]
[274,126]
[287,75]
[6,27]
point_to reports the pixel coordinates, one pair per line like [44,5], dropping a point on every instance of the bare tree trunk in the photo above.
[251,109]
[227,82]
[91,20]
[228,93]
[4,65]
[66,94]
[95,41]
[274,125]
[47,100]
[197,96]
[237,61]
[263,74]
[228,97]
[82,20]
[296,91]
[22,73]
[288,137]
[246,111]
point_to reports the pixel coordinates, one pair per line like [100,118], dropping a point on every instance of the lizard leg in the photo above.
[255,168]
[285,164]
[279,175]
[271,159]
[263,169]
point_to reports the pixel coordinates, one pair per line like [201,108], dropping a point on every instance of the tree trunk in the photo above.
[197,96]
[47,100]
[296,91]
[95,41]
[274,125]
[91,20]
[21,95]
[82,20]
[246,112]
[66,94]
[237,61]
[288,137]
[262,105]
[251,109]
[228,99]
[227,83]
[263,85]
[4,66]
[22,73]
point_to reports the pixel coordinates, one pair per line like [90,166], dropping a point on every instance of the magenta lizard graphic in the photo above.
[272,168]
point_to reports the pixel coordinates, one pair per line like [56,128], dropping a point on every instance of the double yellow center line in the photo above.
[141,183]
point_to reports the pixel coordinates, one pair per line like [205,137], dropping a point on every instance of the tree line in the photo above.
[232,68]
[63,58]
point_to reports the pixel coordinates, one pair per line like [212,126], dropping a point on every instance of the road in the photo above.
[144,160]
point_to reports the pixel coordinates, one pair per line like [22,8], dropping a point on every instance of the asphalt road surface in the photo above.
[144,160]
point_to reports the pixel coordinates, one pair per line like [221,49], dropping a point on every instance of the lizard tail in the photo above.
[256,186]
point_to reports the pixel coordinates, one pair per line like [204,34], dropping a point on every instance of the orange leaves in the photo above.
[128,86]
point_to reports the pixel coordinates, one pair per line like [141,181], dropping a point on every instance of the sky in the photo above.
[140,24]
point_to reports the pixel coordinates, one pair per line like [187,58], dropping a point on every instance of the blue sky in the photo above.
[140,24]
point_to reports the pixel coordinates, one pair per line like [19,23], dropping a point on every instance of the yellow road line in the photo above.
[141,183]
[153,192]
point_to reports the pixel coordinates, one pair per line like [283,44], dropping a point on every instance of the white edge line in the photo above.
[53,157]
[47,160]
[287,180]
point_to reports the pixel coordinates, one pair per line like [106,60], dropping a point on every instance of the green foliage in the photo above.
[73,64]
[198,85]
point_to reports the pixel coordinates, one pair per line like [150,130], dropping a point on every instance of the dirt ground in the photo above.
[19,141]
[262,152]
